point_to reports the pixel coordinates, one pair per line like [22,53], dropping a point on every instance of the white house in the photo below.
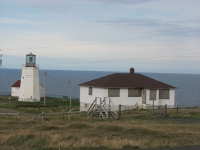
[15,88]
[127,89]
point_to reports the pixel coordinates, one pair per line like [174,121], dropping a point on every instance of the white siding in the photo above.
[15,91]
[127,102]
[169,102]
[86,99]
[124,99]
[29,88]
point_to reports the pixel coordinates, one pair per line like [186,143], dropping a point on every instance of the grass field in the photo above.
[135,129]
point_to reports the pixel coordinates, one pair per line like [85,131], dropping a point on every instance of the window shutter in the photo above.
[114,92]
[152,94]
[134,92]
[164,94]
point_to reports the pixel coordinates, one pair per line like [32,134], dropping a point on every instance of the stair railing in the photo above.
[109,107]
[113,108]
[103,109]
[92,106]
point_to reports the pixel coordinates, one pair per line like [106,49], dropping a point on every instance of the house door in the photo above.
[144,97]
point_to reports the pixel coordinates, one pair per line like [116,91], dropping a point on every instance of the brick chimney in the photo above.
[132,70]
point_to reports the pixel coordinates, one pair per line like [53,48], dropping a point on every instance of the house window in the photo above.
[90,91]
[164,94]
[152,94]
[114,92]
[134,92]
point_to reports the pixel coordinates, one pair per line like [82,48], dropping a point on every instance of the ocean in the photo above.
[58,83]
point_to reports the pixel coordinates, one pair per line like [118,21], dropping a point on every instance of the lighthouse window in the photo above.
[27,59]
[31,58]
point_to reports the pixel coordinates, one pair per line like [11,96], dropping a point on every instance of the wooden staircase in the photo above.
[103,110]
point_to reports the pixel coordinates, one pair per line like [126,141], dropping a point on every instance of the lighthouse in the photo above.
[30,88]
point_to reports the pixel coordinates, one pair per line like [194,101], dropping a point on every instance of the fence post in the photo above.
[153,107]
[43,116]
[165,110]
[109,103]
[119,116]
[176,106]
[69,115]
[18,115]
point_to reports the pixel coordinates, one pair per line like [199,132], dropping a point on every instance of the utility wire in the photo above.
[104,61]
[56,79]
[122,40]
[9,73]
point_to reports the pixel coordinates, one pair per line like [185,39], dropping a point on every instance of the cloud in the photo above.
[14,21]
[53,6]
[155,25]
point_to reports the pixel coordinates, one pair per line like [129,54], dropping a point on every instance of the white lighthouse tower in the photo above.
[30,88]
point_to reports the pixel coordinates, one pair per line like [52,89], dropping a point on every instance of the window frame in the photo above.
[112,94]
[152,96]
[90,90]
[135,92]
[163,95]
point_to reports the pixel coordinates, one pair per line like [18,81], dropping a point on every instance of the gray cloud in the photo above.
[156,25]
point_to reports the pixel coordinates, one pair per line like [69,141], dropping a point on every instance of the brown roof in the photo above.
[125,80]
[17,84]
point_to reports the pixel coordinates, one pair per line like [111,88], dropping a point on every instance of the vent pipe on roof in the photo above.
[132,70]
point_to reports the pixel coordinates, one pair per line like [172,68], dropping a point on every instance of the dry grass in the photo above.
[134,130]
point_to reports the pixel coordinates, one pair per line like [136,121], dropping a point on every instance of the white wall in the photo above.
[127,102]
[15,91]
[86,99]
[29,88]
[169,102]
[124,99]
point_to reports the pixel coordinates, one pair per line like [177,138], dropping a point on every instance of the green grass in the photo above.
[51,105]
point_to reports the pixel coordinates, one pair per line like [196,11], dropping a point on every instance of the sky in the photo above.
[161,36]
